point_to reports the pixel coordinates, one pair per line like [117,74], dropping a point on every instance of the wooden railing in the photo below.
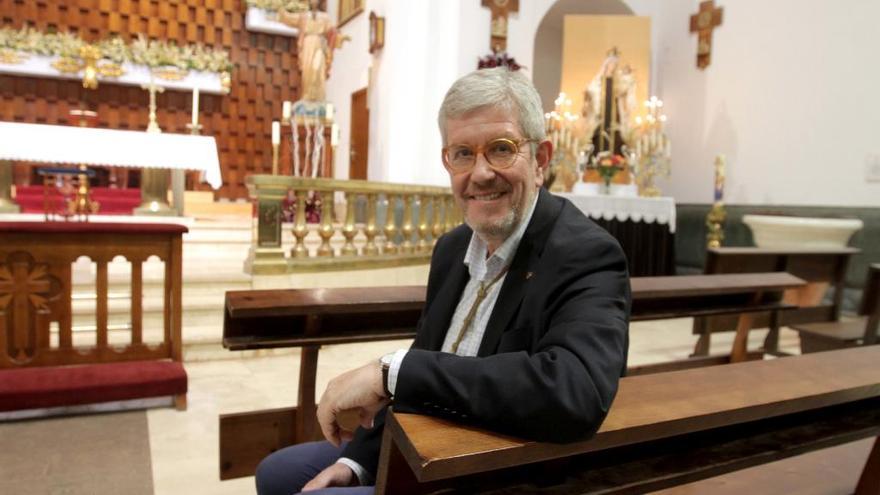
[37,341]
[355,224]
[36,291]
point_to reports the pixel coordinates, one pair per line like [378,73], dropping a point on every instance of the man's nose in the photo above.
[482,170]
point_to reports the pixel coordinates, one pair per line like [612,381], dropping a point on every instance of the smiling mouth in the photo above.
[487,197]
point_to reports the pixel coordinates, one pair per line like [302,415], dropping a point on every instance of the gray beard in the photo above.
[501,229]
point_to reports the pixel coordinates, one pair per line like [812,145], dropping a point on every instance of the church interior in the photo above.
[199,199]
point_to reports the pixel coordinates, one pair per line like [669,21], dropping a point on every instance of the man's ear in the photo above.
[543,155]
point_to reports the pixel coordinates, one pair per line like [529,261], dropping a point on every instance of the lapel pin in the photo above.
[529,275]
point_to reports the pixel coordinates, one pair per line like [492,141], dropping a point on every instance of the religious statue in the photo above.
[607,112]
[318,38]
[609,104]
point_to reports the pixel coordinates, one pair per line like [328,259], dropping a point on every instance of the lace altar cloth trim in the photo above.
[622,208]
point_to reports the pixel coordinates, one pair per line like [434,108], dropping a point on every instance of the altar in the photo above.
[107,147]
[644,227]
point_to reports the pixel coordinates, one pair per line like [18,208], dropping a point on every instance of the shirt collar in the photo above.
[481,268]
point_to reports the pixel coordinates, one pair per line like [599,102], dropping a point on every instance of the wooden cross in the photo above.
[702,23]
[27,287]
[498,33]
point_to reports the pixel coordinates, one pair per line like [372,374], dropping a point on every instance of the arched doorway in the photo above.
[547,59]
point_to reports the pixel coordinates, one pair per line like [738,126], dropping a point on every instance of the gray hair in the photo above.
[499,88]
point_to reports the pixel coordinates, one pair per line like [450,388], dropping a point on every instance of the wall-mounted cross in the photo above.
[702,23]
[500,10]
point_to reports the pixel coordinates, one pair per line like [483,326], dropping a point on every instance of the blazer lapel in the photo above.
[521,269]
[440,313]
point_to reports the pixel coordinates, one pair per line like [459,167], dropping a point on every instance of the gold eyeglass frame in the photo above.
[481,150]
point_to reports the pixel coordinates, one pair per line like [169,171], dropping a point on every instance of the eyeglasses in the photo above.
[500,153]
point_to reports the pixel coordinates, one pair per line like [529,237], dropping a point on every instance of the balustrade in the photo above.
[345,224]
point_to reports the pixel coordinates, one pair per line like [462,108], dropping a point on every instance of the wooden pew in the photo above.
[313,317]
[825,336]
[821,268]
[658,433]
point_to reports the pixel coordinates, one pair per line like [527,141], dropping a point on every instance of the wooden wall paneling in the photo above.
[265,74]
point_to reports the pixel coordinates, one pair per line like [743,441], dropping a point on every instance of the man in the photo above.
[525,325]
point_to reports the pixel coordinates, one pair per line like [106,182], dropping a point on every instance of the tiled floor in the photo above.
[184,445]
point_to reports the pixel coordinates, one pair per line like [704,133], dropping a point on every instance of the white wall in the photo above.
[428,45]
[409,78]
[789,97]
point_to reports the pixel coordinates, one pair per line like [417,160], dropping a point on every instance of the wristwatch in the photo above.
[385,363]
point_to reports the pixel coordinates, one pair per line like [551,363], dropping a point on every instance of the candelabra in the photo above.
[559,125]
[652,148]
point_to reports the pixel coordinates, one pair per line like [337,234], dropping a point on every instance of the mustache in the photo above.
[499,188]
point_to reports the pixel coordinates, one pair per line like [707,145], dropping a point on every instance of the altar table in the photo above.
[644,227]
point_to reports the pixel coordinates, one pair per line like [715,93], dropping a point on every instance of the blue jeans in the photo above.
[286,471]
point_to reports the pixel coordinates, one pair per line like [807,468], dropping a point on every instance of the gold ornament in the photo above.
[12,57]
[67,65]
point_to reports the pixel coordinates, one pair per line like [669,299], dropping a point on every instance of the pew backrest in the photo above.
[426,451]
[815,266]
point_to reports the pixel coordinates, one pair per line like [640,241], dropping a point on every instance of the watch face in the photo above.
[386,359]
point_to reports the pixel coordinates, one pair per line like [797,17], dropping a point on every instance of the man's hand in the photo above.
[360,389]
[337,474]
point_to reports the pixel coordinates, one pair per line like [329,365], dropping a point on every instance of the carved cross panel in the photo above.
[26,289]
[500,10]
[702,23]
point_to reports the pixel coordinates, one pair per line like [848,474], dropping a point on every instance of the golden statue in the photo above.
[318,38]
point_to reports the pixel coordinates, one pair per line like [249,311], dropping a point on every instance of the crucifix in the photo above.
[702,23]
[500,10]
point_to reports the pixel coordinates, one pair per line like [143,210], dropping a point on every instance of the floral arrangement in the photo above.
[498,60]
[608,165]
[291,6]
[151,53]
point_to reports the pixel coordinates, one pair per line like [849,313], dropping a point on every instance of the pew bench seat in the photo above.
[55,386]
[817,337]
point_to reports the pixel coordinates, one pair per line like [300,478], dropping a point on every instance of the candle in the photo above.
[195,109]
[329,111]
[719,177]
[276,132]
[285,111]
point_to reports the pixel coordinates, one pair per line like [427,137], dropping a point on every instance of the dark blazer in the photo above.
[554,348]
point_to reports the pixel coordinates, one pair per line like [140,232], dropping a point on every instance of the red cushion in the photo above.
[30,388]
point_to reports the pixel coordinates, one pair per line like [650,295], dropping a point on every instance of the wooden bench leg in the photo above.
[180,402]
[306,420]
[771,341]
[701,348]
[740,350]
[869,483]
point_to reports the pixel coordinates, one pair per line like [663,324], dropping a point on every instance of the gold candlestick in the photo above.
[153,126]
[715,225]
[275,147]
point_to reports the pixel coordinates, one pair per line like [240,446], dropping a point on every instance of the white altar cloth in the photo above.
[621,208]
[109,147]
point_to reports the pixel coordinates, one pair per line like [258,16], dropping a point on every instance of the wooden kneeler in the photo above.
[817,337]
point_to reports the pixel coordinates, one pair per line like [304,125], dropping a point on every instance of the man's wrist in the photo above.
[361,475]
[385,367]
